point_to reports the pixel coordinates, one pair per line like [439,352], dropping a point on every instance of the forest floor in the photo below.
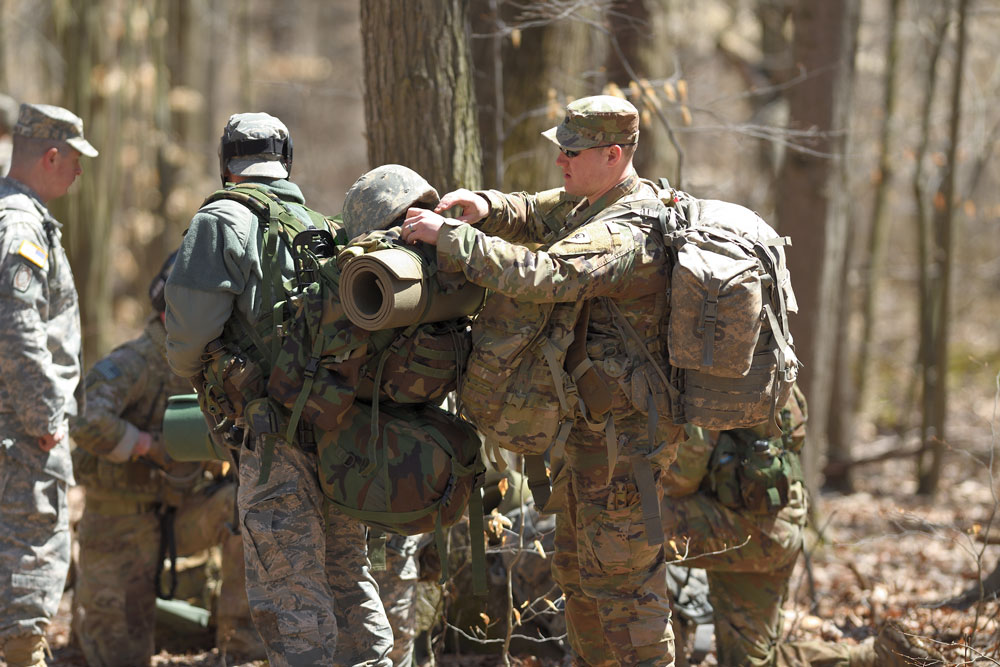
[878,553]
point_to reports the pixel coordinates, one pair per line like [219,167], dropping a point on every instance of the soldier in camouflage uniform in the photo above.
[397,586]
[40,366]
[132,489]
[749,555]
[312,596]
[591,249]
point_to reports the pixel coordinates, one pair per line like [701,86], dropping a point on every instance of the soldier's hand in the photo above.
[421,225]
[48,441]
[142,444]
[158,453]
[474,207]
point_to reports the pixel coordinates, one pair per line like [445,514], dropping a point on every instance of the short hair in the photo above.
[628,150]
[28,149]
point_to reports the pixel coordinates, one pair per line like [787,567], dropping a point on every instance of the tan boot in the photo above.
[894,646]
[26,651]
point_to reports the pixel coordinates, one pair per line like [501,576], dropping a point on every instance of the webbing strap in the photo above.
[376,549]
[307,385]
[642,473]
[550,352]
[477,537]
[168,546]
[266,443]
[611,442]
[538,479]
[494,455]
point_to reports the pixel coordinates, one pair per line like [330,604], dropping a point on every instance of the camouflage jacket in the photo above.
[40,355]
[218,272]
[127,393]
[581,251]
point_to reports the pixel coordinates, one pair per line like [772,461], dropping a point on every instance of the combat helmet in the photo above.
[382,195]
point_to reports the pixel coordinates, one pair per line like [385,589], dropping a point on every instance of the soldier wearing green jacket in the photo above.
[134,492]
[588,251]
[312,596]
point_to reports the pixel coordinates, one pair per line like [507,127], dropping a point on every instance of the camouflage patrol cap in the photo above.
[256,144]
[44,121]
[382,195]
[594,121]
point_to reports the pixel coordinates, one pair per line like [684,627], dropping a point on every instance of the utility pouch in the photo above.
[748,472]
[231,380]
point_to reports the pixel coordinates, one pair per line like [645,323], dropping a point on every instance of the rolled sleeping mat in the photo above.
[185,431]
[395,287]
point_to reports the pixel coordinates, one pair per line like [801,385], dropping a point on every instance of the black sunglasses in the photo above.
[572,154]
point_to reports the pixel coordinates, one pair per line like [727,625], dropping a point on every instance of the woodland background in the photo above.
[865,129]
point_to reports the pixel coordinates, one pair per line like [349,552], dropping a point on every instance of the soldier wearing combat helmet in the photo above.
[599,268]
[311,594]
[40,366]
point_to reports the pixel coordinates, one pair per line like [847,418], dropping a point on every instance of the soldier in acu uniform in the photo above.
[749,550]
[596,255]
[311,593]
[138,501]
[40,366]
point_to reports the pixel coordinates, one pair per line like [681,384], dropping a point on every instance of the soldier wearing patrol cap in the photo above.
[595,259]
[40,365]
[312,596]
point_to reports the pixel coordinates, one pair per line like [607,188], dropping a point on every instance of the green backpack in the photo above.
[311,361]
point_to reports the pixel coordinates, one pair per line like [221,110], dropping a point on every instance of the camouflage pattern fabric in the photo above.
[598,120]
[380,196]
[749,556]
[617,600]
[119,535]
[40,355]
[127,392]
[114,604]
[397,586]
[616,611]
[312,597]
[40,364]
[44,121]
[34,546]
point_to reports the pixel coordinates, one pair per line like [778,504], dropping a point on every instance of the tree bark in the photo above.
[936,384]
[420,107]
[804,208]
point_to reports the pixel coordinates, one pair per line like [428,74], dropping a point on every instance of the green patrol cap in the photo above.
[44,121]
[599,120]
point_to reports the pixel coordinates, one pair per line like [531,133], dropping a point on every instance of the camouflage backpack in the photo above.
[752,469]
[294,371]
[731,360]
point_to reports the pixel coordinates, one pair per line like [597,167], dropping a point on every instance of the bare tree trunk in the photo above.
[942,256]
[420,106]
[804,210]
[871,272]
[922,234]
[840,417]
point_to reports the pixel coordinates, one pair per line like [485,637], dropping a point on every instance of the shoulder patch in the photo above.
[578,237]
[34,254]
[107,369]
[22,278]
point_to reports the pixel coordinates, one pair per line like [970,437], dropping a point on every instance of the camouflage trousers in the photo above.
[34,547]
[397,586]
[617,601]
[114,606]
[311,594]
[749,559]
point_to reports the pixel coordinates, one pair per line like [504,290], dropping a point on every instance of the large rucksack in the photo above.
[731,361]
[293,376]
